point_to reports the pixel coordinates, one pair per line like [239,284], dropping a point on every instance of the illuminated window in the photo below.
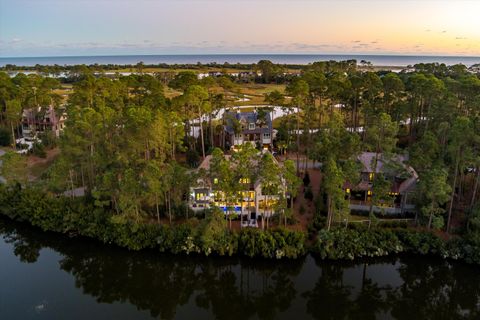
[244,180]
[370,176]
[347,190]
[215,180]
[369,192]
[251,126]
[200,195]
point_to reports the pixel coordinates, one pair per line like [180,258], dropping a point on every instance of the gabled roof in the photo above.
[206,162]
[248,117]
[205,165]
[401,184]
[367,159]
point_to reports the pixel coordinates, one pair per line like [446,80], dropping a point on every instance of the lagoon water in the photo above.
[303,59]
[49,276]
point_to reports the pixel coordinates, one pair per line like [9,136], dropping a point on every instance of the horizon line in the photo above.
[247,54]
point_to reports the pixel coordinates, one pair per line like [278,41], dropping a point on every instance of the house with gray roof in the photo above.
[403,180]
[248,127]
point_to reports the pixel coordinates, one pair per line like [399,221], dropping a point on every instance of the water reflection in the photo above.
[167,286]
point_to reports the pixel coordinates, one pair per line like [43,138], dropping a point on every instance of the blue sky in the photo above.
[102,27]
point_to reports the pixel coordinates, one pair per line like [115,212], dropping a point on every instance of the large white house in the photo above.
[206,194]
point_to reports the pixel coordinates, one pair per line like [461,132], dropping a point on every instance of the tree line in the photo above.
[125,141]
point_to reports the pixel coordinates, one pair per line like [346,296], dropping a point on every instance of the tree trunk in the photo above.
[263,216]
[71,183]
[211,130]
[430,219]
[157,207]
[355,113]
[452,196]
[320,112]
[271,130]
[474,194]
[170,207]
[329,212]
[374,173]
[298,139]
[14,145]
[241,212]
[201,132]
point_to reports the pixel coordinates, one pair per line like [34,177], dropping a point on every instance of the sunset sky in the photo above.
[102,27]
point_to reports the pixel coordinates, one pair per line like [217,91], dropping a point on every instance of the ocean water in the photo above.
[303,59]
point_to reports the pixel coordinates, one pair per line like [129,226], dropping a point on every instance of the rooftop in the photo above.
[249,117]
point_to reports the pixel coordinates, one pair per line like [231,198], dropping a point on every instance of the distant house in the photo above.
[253,200]
[402,176]
[247,76]
[474,68]
[248,127]
[209,74]
[42,119]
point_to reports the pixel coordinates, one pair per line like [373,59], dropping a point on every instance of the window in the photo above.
[238,136]
[244,180]
[347,190]
[266,136]
[251,126]
[370,176]
[215,180]
[200,195]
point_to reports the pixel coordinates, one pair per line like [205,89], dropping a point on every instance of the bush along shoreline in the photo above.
[349,244]
[211,236]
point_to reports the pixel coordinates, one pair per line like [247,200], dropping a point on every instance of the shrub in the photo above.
[48,138]
[193,158]
[38,149]
[211,236]
[306,179]
[308,194]
[302,210]
[276,243]
[5,137]
[352,243]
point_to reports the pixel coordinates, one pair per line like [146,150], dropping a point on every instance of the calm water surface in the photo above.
[47,276]
[379,60]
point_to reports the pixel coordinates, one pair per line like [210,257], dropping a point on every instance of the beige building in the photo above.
[206,194]
[42,119]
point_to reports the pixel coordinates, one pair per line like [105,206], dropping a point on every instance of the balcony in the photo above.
[365,206]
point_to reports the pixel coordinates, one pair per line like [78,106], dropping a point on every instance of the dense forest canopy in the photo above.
[128,143]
